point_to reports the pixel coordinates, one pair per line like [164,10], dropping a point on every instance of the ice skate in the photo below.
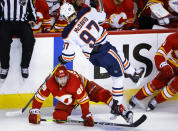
[127,115]
[152,104]
[24,72]
[132,102]
[3,73]
[137,76]
[120,110]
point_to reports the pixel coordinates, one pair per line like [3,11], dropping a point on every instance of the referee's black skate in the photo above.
[3,73]
[24,72]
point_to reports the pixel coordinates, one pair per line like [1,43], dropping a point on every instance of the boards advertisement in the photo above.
[138,47]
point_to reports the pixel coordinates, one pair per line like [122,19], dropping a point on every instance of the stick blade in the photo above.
[139,121]
[14,113]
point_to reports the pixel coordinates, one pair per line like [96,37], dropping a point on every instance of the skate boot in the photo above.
[137,75]
[152,104]
[120,110]
[132,102]
[3,73]
[127,115]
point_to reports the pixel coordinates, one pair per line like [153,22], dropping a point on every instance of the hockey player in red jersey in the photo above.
[43,23]
[70,89]
[143,15]
[57,22]
[120,14]
[165,12]
[157,14]
[166,79]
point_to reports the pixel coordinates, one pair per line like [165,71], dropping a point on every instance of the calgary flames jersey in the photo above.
[71,94]
[43,18]
[60,22]
[142,7]
[169,46]
[121,16]
[173,15]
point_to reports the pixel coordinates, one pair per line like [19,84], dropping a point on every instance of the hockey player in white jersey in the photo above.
[83,30]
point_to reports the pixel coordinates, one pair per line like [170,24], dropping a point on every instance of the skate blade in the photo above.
[130,119]
[113,117]
[130,107]
[148,109]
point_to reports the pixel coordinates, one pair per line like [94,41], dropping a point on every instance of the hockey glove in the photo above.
[88,120]
[34,116]
[60,59]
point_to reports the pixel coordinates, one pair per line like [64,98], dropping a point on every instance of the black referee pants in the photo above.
[25,33]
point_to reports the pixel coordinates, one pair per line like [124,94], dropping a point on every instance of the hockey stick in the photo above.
[101,5]
[57,17]
[135,124]
[140,13]
[55,21]
[20,112]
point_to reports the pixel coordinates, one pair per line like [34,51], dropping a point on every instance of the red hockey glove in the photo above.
[34,116]
[88,120]
[166,70]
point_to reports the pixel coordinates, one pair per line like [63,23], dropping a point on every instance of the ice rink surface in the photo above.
[163,118]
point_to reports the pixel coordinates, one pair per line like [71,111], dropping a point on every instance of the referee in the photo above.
[16,18]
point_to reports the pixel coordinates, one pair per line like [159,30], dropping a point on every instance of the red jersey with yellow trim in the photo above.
[71,94]
[169,46]
[43,17]
[173,15]
[140,5]
[60,24]
[124,12]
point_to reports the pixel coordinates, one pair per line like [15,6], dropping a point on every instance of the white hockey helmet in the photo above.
[173,4]
[67,10]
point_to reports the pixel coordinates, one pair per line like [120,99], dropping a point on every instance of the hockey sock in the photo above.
[104,96]
[145,91]
[165,94]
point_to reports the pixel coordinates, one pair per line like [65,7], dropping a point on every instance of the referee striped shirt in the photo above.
[18,10]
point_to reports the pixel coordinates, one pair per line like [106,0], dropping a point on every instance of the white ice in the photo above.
[163,118]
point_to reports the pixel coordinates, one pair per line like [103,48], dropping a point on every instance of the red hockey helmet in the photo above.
[61,75]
